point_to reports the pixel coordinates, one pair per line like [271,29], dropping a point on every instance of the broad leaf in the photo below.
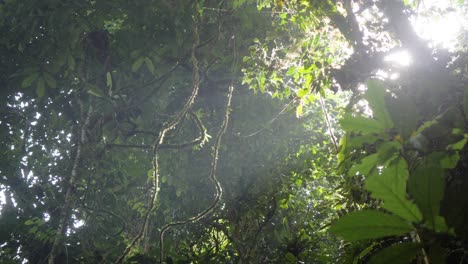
[299,110]
[361,124]
[389,150]
[149,65]
[29,80]
[366,165]
[51,82]
[401,253]
[137,64]
[390,187]
[40,88]
[375,96]
[109,79]
[367,224]
[405,115]
[426,186]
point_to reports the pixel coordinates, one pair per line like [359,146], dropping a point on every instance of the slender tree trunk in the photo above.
[65,212]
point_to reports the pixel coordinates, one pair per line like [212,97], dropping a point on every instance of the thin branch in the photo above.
[269,122]
[329,126]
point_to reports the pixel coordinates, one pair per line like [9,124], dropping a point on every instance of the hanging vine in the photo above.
[214,164]
[212,177]
[162,134]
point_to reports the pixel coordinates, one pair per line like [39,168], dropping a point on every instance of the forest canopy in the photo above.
[233,131]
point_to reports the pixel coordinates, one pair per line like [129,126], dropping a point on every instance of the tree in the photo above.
[129,134]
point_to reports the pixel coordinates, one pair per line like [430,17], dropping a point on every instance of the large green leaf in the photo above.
[401,253]
[426,185]
[29,80]
[361,124]
[375,96]
[369,224]
[405,115]
[366,165]
[390,187]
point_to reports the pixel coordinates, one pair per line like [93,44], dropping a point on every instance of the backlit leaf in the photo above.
[361,124]
[426,186]
[390,186]
[401,253]
[365,166]
[375,96]
[367,224]
[299,110]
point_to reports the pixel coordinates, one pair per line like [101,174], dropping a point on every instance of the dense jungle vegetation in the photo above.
[233,131]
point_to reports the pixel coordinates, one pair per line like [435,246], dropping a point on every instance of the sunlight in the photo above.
[400,58]
[442,30]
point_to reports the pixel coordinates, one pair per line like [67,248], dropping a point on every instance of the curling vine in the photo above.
[213,178]
[162,134]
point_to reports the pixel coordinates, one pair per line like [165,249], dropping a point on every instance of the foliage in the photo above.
[111,114]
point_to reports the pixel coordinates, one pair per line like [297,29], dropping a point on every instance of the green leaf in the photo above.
[446,160]
[405,115]
[357,141]
[368,224]
[375,96]
[366,165]
[50,80]
[402,253]
[299,110]
[437,254]
[364,253]
[290,258]
[261,79]
[29,222]
[94,90]
[291,70]
[149,65]
[316,40]
[390,187]
[389,150]
[109,79]
[426,185]
[29,80]
[301,93]
[361,124]
[458,145]
[33,230]
[40,88]
[137,64]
